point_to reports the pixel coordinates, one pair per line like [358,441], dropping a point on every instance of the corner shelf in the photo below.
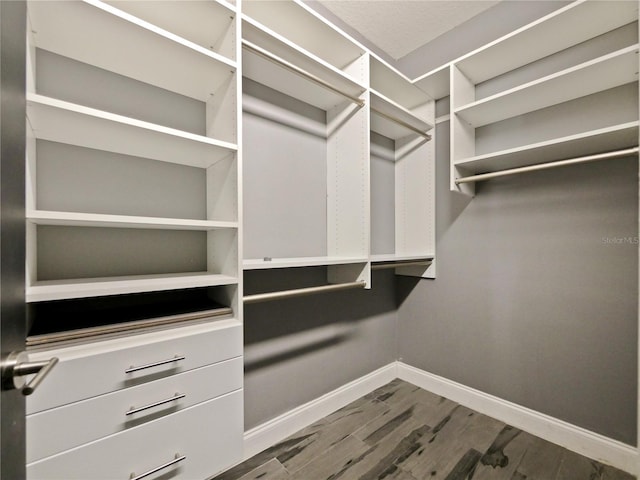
[608,71]
[94,287]
[594,141]
[96,33]
[65,122]
[435,83]
[382,108]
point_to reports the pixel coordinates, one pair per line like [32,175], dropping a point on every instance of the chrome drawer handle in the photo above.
[132,369]
[176,397]
[178,458]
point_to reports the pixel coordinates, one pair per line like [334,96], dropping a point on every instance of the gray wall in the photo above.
[536,296]
[299,349]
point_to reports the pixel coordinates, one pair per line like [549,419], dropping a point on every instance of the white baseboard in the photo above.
[269,433]
[577,439]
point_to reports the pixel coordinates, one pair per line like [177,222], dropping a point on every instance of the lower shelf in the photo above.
[267,263]
[95,287]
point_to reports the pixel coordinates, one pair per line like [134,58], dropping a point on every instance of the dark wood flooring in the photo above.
[401,432]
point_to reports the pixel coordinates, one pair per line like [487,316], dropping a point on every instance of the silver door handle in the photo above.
[178,458]
[17,366]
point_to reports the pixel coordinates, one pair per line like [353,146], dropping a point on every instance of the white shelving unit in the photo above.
[154,43]
[565,90]
[306,59]
[134,230]
[402,171]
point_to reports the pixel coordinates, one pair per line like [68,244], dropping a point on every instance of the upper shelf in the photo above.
[207,23]
[602,73]
[406,122]
[64,122]
[304,27]
[396,86]
[557,31]
[435,83]
[586,143]
[98,34]
[272,73]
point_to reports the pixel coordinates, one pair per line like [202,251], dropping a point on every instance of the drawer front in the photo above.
[95,369]
[88,420]
[209,435]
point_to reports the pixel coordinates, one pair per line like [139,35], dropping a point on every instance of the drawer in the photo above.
[89,370]
[59,429]
[209,435]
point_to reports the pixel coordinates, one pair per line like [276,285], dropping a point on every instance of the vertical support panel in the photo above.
[12,226]
[415,201]
[236,41]
[463,137]
[348,186]
[222,115]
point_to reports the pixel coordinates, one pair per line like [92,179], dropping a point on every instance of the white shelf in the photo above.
[273,75]
[609,71]
[388,128]
[595,141]
[392,257]
[44,217]
[392,84]
[65,122]
[436,83]
[96,287]
[261,264]
[304,27]
[562,29]
[205,22]
[106,37]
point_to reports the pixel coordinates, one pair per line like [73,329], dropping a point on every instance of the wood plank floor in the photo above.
[401,432]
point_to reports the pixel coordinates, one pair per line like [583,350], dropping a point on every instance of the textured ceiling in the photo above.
[398,27]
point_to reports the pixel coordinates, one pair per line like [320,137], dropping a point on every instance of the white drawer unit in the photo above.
[194,443]
[124,407]
[89,370]
[88,420]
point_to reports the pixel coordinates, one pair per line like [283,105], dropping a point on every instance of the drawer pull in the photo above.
[176,397]
[132,369]
[177,459]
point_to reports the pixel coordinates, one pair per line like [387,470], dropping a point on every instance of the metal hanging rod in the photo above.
[544,166]
[421,263]
[401,122]
[300,292]
[293,68]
